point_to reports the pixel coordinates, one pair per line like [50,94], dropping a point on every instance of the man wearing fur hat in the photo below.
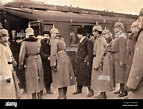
[135,79]
[62,71]
[119,52]
[100,79]
[84,62]
[135,27]
[30,53]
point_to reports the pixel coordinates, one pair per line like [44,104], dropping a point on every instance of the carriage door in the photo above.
[36,25]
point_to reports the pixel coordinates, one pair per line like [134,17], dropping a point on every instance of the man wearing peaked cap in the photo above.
[135,27]
[83,62]
[135,78]
[119,50]
[136,24]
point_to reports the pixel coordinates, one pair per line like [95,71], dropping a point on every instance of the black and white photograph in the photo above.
[71,50]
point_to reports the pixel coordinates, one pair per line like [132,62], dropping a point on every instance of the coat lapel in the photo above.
[82,43]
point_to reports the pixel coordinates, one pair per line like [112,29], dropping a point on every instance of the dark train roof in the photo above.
[35,11]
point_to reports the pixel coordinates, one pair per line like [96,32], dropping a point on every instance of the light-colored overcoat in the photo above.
[8,90]
[136,73]
[119,54]
[58,57]
[100,78]
[30,53]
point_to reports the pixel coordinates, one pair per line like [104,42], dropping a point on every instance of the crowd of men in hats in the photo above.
[101,63]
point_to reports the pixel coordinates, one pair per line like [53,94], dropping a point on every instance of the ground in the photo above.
[71,89]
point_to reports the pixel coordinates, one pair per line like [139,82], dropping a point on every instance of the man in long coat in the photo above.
[8,80]
[100,78]
[119,52]
[84,62]
[30,52]
[45,54]
[135,27]
[135,79]
[62,71]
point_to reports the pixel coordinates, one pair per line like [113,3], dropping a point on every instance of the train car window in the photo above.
[36,30]
[73,34]
[36,27]
[47,27]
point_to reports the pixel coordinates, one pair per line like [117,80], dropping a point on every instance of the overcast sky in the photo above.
[121,6]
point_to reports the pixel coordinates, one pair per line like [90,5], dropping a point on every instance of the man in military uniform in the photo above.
[119,51]
[100,78]
[135,80]
[135,27]
[62,71]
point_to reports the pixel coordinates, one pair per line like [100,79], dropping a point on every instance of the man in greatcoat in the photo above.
[30,53]
[62,70]
[135,79]
[135,27]
[45,56]
[9,88]
[84,62]
[119,52]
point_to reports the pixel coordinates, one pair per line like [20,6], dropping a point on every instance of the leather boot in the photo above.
[78,90]
[40,94]
[61,93]
[34,96]
[48,90]
[90,92]
[65,92]
[103,95]
[123,91]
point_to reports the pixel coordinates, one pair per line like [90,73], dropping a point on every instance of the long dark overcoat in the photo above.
[45,53]
[84,62]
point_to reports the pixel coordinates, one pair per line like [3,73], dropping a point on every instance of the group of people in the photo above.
[101,63]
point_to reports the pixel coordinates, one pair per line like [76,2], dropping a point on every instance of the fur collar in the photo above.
[139,33]
[31,39]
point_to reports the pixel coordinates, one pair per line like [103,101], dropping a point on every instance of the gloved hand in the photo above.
[96,68]
[21,67]
[54,68]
